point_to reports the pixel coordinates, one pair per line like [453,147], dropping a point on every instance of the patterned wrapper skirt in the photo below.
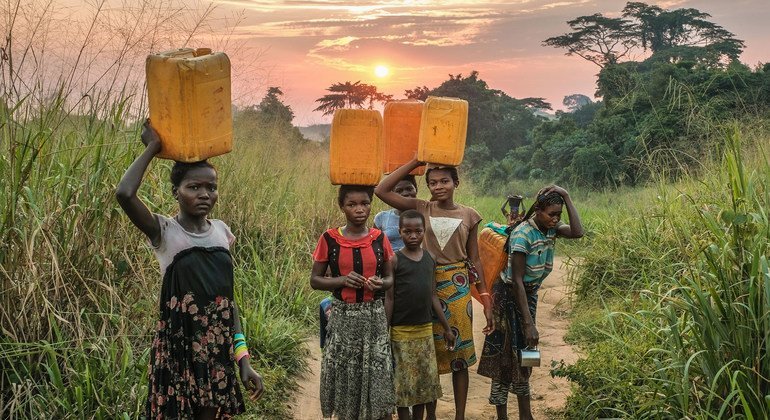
[416,375]
[453,290]
[191,361]
[357,366]
[499,359]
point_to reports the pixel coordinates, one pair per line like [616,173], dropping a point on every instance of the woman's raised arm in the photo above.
[128,186]
[385,188]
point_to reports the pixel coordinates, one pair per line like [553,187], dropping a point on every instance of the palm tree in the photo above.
[350,95]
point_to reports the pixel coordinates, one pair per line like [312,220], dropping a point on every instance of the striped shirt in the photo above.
[365,256]
[537,247]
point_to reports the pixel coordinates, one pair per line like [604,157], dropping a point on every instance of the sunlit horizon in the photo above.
[310,45]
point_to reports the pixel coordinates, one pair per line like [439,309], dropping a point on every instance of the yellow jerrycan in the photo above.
[190,104]
[492,255]
[355,149]
[401,134]
[442,131]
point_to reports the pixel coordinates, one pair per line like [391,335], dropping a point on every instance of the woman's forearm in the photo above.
[520,298]
[481,284]
[384,190]
[131,181]
[236,319]
[439,313]
[576,226]
[326,283]
[390,181]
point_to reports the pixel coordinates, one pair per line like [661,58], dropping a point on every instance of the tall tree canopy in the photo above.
[272,108]
[671,35]
[599,39]
[350,95]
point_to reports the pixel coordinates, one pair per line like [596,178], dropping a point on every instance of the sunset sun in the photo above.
[381,71]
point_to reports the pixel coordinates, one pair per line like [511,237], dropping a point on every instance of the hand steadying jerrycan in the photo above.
[355,149]
[190,105]
[443,129]
[401,134]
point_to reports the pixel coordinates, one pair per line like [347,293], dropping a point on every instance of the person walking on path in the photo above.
[408,305]
[357,365]
[198,336]
[452,240]
[530,260]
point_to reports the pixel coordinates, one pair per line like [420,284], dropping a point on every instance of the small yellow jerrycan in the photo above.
[401,134]
[190,104]
[355,149]
[442,131]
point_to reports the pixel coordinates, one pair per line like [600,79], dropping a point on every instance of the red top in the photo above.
[365,256]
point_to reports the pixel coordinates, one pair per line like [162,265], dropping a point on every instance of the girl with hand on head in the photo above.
[530,260]
[451,237]
[198,337]
[357,366]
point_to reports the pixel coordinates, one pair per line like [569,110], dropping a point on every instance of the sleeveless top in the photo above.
[413,290]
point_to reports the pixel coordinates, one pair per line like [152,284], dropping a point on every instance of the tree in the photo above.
[350,95]
[671,35]
[686,30]
[597,38]
[272,108]
[420,93]
[495,119]
[576,101]
[270,115]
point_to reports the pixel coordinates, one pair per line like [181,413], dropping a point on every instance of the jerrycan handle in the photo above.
[201,51]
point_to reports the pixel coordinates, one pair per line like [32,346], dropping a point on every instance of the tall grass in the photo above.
[688,337]
[78,284]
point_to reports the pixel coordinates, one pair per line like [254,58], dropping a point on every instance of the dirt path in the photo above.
[549,393]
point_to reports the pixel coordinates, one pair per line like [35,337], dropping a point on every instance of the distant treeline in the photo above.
[661,114]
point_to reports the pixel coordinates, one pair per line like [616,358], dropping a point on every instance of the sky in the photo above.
[304,46]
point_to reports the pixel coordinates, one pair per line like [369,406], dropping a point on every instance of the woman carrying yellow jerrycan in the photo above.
[451,238]
[530,260]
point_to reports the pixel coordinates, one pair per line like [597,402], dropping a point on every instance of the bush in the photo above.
[688,282]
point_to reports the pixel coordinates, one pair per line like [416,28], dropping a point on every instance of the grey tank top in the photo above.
[413,290]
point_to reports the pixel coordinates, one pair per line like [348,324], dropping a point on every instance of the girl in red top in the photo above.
[357,366]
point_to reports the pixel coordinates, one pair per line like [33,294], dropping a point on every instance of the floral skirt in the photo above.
[453,290]
[499,359]
[357,365]
[416,374]
[191,362]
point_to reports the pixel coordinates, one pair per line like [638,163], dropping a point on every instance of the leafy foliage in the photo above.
[497,123]
[350,95]
[270,118]
[599,39]
[683,285]
[680,34]
[660,115]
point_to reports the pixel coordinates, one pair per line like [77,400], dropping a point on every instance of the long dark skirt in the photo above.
[357,365]
[499,359]
[192,363]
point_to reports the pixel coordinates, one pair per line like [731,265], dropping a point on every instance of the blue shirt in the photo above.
[387,221]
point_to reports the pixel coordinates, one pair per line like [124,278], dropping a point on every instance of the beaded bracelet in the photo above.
[240,348]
